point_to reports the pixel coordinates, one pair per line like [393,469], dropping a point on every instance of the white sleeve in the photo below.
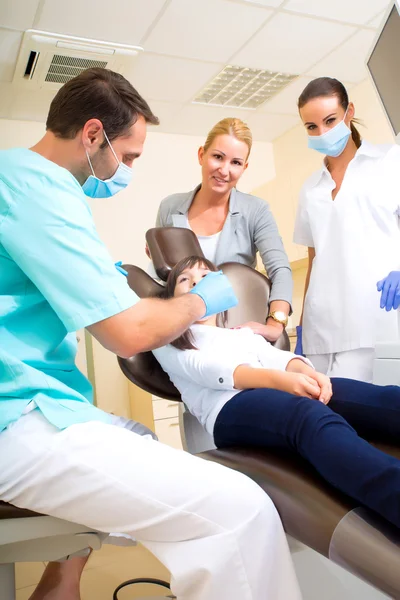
[302,229]
[207,369]
[272,358]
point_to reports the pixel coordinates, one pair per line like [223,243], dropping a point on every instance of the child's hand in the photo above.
[300,384]
[325,385]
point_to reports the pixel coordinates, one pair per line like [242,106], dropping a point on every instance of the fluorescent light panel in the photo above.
[243,87]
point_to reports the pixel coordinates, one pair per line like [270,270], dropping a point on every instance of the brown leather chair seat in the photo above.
[9,511]
[312,511]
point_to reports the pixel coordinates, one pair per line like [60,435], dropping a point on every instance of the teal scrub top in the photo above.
[56,276]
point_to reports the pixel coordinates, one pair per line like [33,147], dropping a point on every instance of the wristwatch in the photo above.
[278,316]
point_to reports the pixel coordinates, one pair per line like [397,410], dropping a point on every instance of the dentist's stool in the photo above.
[26,536]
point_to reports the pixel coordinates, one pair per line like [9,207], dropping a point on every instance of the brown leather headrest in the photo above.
[168,245]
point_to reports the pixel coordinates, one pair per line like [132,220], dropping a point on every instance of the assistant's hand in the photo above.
[216,292]
[270,331]
[390,288]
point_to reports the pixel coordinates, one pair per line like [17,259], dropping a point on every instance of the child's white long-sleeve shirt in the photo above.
[204,377]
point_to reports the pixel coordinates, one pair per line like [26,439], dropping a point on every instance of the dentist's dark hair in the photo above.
[97,94]
[186,340]
[328,86]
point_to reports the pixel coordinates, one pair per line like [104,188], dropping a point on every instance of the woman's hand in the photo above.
[270,331]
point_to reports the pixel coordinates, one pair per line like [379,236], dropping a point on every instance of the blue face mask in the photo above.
[332,142]
[105,188]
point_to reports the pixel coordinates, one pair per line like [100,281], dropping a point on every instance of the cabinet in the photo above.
[166,422]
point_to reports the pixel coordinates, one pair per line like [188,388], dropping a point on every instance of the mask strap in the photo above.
[90,163]
[112,149]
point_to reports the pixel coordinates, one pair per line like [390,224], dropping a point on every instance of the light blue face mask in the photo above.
[332,142]
[105,188]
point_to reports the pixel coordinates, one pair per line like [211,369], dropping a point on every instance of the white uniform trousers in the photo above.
[352,364]
[215,530]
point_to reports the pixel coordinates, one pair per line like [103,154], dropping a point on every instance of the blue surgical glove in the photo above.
[120,269]
[216,292]
[299,344]
[390,288]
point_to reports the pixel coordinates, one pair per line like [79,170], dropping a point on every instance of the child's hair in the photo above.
[186,340]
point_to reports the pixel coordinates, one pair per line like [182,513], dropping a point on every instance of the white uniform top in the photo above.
[204,377]
[357,242]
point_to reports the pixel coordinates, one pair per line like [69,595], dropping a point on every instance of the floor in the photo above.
[106,569]
[319,578]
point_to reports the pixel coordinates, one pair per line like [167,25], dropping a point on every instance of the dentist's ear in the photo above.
[92,134]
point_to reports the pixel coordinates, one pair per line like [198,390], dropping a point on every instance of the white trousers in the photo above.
[352,364]
[216,531]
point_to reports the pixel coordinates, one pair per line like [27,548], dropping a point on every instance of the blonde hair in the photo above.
[230,126]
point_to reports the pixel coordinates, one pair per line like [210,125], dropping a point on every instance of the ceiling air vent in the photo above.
[48,60]
[63,68]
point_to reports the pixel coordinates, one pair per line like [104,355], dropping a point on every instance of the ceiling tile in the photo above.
[338,64]
[353,11]
[286,101]
[292,44]
[10,42]
[267,127]
[123,21]
[166,112]
[210,30]
[170,79]
[271,3]
[196,119]
[378,20]
[18,14]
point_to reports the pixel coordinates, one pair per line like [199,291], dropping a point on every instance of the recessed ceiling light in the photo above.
[242,87]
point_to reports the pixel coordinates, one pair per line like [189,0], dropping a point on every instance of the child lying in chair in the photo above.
[245,392]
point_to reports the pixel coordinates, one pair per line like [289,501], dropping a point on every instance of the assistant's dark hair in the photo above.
[186,340]
[97,94]
[328,86]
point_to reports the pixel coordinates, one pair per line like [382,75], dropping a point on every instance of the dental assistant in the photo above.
[231,225]
[348,216]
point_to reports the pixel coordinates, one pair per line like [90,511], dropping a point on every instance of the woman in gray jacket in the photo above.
[230,225]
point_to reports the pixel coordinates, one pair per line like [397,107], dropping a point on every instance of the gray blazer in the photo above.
[249,226]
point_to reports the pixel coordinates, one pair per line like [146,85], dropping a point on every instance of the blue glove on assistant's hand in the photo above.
[120,269]
[299,344]
[216,292]
[390,288]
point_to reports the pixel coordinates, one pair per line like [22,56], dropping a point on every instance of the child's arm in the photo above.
[246,377]
[299,379]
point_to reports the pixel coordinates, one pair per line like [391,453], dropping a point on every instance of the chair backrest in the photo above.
[167,246]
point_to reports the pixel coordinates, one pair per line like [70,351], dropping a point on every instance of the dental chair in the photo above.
[314,514]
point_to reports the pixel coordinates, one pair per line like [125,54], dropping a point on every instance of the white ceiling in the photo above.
[187,42]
